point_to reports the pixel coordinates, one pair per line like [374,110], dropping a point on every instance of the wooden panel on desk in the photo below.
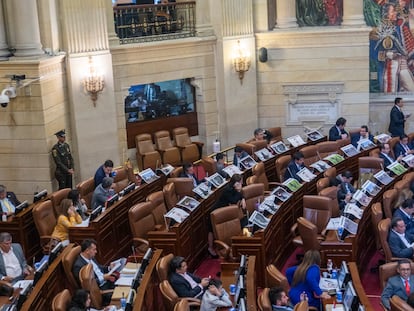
[337,250]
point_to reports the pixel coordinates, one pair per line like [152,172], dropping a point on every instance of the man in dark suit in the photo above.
[397,118]
[239,154]
[405,212]
[386,154]
[103,278]
[105,170]
[345,190]
[295,166]
[188,172]
[362,135]
[400,242]
[8,201]
[279,299]
[337,131]
[185,284]
[403,148]
[13,266]
[401,284]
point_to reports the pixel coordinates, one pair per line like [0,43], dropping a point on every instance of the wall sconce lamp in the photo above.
[93,82]
[241,61]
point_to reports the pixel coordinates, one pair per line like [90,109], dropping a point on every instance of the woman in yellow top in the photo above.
[67,217]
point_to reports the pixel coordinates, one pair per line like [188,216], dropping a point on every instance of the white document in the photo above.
[349,150]
[361,198]
[188,203]
[231,170]
[177,214]
[203,190]
[321,166]
[327,284]
[279,147]
[259,220]
[305,174]
[371,188]
[263,154]
[296,141]
[333,223]
[354,210]
[349,225]
[269,205]
[409,159]
[84,223]
[125,280]
[383,177]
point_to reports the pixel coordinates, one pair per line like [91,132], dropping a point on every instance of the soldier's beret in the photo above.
[61,133]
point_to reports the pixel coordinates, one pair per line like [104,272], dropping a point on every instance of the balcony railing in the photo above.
[145,23]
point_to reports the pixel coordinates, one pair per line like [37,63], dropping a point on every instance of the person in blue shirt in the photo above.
[405,212]
[304,279]
[105,170]
[403,148]
[362,135]
[295,166]
[239,153]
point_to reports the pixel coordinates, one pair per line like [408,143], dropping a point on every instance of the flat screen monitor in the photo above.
[111,201]
[39,196]
[146,259]
[130,300]
[128,189]
[344,276]
[242,305]
[39,272]
[240,289]
[55,252]
[21,207]
[350,300]
[95,213]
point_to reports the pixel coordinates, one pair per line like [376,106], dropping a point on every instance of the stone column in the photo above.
[286,14]
[4,52]
[203,22]
[112,36]
[24,16]
[353,13]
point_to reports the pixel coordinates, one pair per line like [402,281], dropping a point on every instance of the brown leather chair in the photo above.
[190,151]
[410,137]
[388,270]
[57,196]
[318,210]
[141,221]
[330,172]
[375,153]
[169,153]
[275,278]
[146,154]
[326,148]
[252,194]
[121,179]
[170,196]
[322,184]
[301,306]
[45,221]
[67,261]
[209,165]
[281,164]
[249,148]
[392,142]
[182,305]
[158,207]
[389,202]
[259,177]
[310,154]
[343,142]
[308,233]
[402,185]
[376,217]
[398,304]
[176,172]
[332,193]
[163,267]
[257,145]
[61,301]
[183,186]
[276,133]
[171,298]
[88,282]
[263,300]
[409,176]
[383,230]
[86,189]
[226,224]
[367,167]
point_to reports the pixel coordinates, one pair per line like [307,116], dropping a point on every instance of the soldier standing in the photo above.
[64,161]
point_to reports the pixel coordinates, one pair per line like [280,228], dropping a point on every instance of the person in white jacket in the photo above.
[215,296]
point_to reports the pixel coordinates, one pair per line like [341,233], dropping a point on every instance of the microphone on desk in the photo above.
[134,254]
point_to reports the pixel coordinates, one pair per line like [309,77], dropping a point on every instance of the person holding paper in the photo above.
[403,148]
[401,284]
[239,154]
[68,216]
[385,153]
[295,166]
[400,242]
[103,277]
[188,172]
[362,135]
[337,131]
[397,118]
[405,212]
[345,190]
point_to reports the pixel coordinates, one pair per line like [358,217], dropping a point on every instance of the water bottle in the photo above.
[329,266]
[334,274]
[4,217]
[340,232]
[338,296]
[123,302]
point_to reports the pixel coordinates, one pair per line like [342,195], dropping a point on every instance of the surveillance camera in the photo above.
[4,100]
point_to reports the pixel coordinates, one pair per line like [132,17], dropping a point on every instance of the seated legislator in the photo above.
[385,153]
[188,172]
[215,297]
[362,135]
[13,266]
[345,190]
[78,203]
[239,154]
[400,242]
[220,164]
[401,284]
[337,131]
[8,201]
[295,166]
[87,255]
[67,217]
[405,212]
[185,284]
[279,299]
[304,279]
[403,148]
[102,193]
[105,170]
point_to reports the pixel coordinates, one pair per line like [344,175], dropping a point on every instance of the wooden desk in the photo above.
[356,281]
[111,229]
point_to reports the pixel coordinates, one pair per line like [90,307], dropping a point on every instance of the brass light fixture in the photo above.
[241,61]
[93,82]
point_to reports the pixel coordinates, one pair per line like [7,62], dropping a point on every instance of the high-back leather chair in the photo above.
[392,142]
[318,210]
[182,305]
[61,301]
[343,142]
[170,196]
[209,165]
[183,186]
[409,176]
[367,167]
[383,230]
[226,224]
[281,163]
[388,270]
[389,201]
[301,306]
[310,154]
[45,221]
[176,172]
[263,300]
[86,189]
[88,282]
[330,172]
[190,151]
[146,154]
[259,172]
[322,183]
[67,261]
[326,148]
[158,206]
[275,278]
[376,217]
[276,133]
[171,298]
[398,304]
[169,153]
[163,267]
[332,193]
[57,196]
[121,179]
[252,194]
[309,234]
[141,221]
[402,186]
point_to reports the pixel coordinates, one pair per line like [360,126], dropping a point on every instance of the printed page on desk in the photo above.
[327,284]
[333,223]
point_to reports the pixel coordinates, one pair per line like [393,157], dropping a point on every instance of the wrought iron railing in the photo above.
[144,23]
